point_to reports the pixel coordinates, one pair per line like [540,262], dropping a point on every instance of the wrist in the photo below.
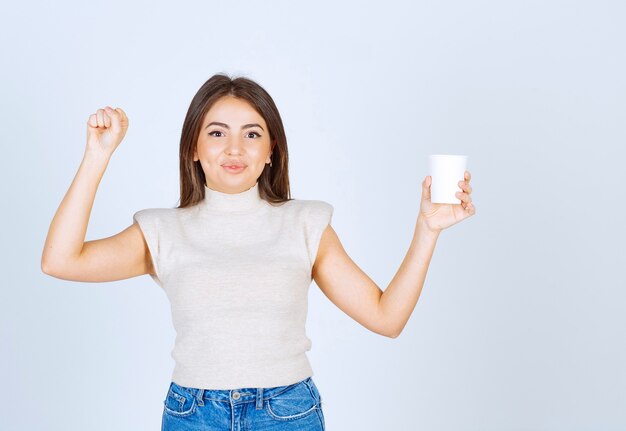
[91,157]
[422,227]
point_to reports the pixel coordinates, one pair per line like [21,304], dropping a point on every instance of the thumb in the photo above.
[123,117]
[426,188]
[119,121]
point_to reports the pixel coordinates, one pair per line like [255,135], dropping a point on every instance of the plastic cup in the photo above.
[446,171]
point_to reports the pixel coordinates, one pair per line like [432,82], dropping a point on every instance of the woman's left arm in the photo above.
[350,289]
[399,299]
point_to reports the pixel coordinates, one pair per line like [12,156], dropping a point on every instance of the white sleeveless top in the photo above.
[236,270]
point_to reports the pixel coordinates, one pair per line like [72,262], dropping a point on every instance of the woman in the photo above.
[235,259]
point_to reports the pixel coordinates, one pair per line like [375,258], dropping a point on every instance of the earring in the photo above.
[270,163]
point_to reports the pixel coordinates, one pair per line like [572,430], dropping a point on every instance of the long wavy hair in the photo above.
[274,180]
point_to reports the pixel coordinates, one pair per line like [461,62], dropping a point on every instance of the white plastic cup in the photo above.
[446,171]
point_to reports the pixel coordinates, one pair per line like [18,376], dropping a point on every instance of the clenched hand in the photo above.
[105,130]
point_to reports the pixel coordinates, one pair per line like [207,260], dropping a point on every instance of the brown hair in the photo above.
[274,181]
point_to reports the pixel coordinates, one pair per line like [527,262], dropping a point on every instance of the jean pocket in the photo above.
[314,390]
[179,402]
[293,403]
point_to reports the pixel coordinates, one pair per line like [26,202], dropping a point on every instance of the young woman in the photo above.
[235,259]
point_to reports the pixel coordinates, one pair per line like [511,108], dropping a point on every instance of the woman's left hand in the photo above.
[441,216]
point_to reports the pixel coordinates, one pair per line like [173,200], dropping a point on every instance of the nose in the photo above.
[234,145]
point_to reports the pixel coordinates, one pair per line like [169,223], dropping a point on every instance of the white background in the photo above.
[520,325]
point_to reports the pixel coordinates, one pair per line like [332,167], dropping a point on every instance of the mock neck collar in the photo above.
[246,201]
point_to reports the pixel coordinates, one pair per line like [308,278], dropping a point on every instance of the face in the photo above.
[232,133]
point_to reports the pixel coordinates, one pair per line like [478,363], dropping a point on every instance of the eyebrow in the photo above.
[245,126]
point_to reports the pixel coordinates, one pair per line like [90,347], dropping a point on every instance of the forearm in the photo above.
[68,228]
[400,297]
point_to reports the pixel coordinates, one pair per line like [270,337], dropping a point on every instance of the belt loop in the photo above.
[200,397]
[259,398]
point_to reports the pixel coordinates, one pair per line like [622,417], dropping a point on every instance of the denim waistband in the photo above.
[242,395]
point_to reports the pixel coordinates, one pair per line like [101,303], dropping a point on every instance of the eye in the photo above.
[255,133]
[215,131]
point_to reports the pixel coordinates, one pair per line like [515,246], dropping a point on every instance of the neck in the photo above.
[247,201]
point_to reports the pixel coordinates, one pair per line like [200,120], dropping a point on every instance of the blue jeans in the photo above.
[281,408]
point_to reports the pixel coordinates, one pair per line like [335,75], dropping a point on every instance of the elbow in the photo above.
[389,330]
[46,269]
[395,331]
[384,331]
[55,265]
[390,333]
[49,268]
[45,262]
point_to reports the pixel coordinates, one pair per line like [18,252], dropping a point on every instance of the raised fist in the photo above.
[105,130]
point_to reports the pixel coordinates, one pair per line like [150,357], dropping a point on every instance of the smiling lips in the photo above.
[234,164]
[234,168]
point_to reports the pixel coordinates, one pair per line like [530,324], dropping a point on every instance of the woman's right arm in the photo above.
[66,255]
